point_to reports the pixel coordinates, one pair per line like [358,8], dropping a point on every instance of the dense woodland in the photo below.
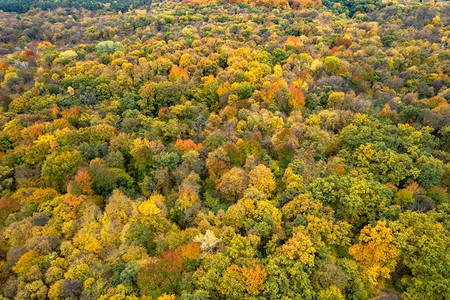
[218,150]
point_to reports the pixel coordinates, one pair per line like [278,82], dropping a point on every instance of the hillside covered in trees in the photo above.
[194,150]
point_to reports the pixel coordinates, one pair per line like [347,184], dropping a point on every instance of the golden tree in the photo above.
[375,252]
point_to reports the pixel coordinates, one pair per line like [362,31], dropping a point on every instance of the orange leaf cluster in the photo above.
[3,66]
[298,97]
[71,204]
[84,181]
[237,280]
[176,73]
[28,53]
[186,145]
[8,205]
[191,250]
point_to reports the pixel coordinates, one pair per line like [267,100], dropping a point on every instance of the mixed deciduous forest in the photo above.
[194,150]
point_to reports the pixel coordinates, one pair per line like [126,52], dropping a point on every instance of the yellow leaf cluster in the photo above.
[299,247]
[375,252]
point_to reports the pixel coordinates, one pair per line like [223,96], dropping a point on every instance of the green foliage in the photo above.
[351,7]
[332,64]
[126,274]
[213,142]
[288,279]
[108,47]
[58,167]
[423,244]
[353,197]
[23,6]
[103,178]
[429,176]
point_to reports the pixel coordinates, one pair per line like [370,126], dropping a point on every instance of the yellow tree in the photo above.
[234,182]
[375,252]
[292,180]
[188,195]
[151,214]
[262,179]
[240,246]
[335,99]
[299,247]
[231,284]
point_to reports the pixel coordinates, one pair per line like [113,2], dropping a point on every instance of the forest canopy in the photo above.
[224,149]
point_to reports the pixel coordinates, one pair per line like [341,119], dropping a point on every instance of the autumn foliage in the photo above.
[232,149]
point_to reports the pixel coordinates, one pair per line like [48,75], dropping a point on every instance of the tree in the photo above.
[151,214]
[330,275]
[431,171]
[335,99]
[375,252]
[191,255]
[233,183]
[404,197]
[388,165]
[262,179]
[231,284]
[158,277]
[126,274]
[284,142]
[259,149]
[103,178]
[240,246]
[68,54]
[207,241]
[70,288]
[27,261]
[287,278]
[241,282]
[332,63]
[331,293]
[108,47]
[254,278]
[292,181]
[353,197]
[33,290]
[6,178]
[69,207]
[422,242]
[58,167]
[53,274]
[7,206]
[297,98]
[299,247]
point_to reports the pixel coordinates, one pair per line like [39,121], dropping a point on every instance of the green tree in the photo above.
[108,47]
[287,278]
[423,243]
[58,167]
[353,197]
[332,63]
